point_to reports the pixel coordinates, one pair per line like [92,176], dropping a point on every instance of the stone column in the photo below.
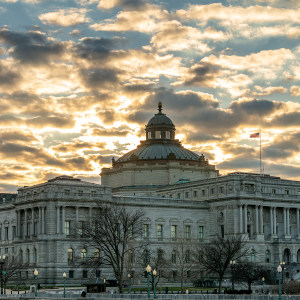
[256,219]
[90,214]
[57,219]
[288,221]
[43,220]
[76,216]
[32,221]
[284,220]
[297,221]
[17,225]
[63,219]
[241,219]
[226,223]
[40,220]
[261,220]
[271,220]
[245,218]
[275,222]
[25,223]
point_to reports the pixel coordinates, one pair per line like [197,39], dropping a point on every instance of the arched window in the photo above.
[298,256]
[28,256]
[70,255]
[187,256]
[97,254]
[146,257]
[267,255]
[83,254]
[174,257]
[34,255]
[252,256]
[21,255]
[286,255]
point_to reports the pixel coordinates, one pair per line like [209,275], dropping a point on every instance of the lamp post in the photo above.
[64,275]
[263,280]
[282,264]
[35,276]
[2,260]
[104,280]
[279,269]
[154,274]
[148,269]
[232,264]
[129,291]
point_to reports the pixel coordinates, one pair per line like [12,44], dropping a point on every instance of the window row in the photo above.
[83,255]
[28,258]
[194,194]
[159,134]
[80,192]
[5,237]
[174,232]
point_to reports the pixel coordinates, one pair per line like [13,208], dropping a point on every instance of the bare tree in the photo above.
[13,266]
[181,258]
[215,255]
[113,231]
[250,272]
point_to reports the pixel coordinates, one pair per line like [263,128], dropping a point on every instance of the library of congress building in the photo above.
[180,192]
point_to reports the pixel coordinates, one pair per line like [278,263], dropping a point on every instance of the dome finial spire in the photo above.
[159,107]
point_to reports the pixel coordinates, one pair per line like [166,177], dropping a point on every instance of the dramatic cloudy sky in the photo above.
[79,79]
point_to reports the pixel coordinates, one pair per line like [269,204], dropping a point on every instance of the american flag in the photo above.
[254,135]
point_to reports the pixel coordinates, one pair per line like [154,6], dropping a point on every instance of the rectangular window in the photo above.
[171,196]
[249,230]
[80,227]
[201,232]
[159,232]
[93,193]
[80,193]
[6,233]
[145,230]
[67,192]
[178,195]
[98,273]
[35,227]
[6,250]
[221,190]
[195,194]
[84,274]
[222,231]
[186,194]
[26,274]
[149,135]
[187,232]
[158,134]
[173,231]
[203,192]
[67,227]
[212,191]
[28,229]
[167,134]
[13,232]
[286,192]
[12,249]
[298,193]
[71,274]
[273,191]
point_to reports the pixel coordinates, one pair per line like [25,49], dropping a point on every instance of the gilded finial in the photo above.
[159,107]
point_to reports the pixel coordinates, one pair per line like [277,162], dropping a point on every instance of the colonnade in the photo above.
[41,222]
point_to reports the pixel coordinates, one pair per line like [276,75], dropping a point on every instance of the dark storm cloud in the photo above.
[77,145]
[201,137]
[12,176]
[19,168]
[8,78]
[101,132]
[31,47]
[80,163]
[107,116]
[202,74]
[284,120]
[101,159]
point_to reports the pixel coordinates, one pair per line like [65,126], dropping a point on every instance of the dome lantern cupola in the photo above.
[160,126]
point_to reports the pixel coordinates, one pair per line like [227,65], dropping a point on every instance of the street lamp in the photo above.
[35,276]
[129,291]
[154,274]
[148,269]
[279,269]
[282,266]
[104,280]
[263,280]
[2,260]
[232,264]
[64,275]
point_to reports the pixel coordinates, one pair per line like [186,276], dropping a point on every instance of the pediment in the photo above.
[6,222]
[146,220]
[201,221]
[160,220]
[174,220]
[188,221]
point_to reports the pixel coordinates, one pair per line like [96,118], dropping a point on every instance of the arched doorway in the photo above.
[286,255]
